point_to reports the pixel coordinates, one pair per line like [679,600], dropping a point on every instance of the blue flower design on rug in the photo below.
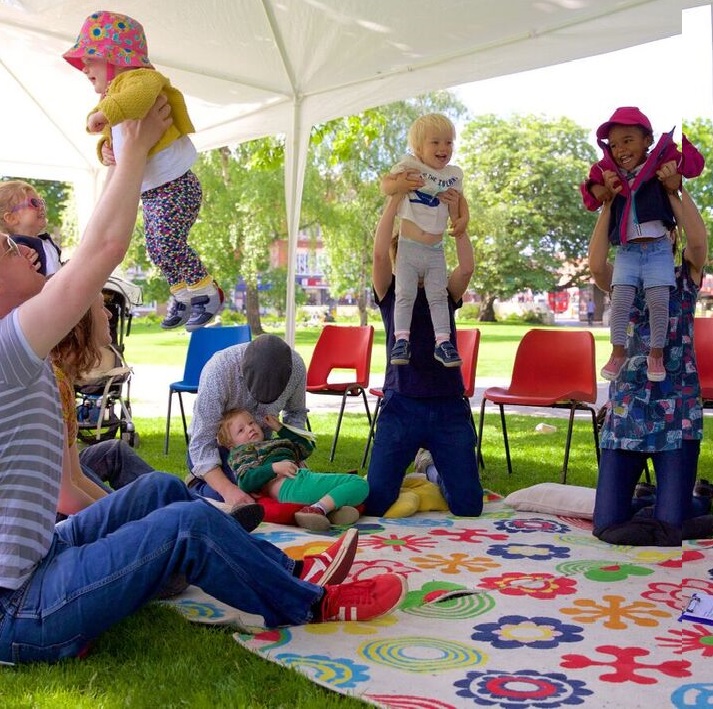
[516,631]
[536,552]
[512,690]
[530,525]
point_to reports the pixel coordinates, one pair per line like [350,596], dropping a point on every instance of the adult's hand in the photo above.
[147,131]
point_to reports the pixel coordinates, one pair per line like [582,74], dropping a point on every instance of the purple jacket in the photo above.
[689,161]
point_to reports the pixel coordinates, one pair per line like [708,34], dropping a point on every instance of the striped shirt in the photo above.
[31,446]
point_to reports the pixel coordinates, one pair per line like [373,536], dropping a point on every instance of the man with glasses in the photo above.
[62,586]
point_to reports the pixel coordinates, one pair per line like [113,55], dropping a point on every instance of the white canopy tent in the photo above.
[251,68]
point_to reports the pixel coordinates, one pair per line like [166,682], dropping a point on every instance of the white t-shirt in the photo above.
[423,207]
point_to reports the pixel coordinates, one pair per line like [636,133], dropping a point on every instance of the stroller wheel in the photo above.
[131,437]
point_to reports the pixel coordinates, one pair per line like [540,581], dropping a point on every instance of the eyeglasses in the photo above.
[11,248]
[34,202]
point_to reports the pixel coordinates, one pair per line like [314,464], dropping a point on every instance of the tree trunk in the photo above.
[252,310]
[487,309]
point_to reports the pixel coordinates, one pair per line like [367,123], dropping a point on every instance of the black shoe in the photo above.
[703,489]
[644,490]
[248,516]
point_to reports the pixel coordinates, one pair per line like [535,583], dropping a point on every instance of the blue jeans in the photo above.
[444,426]
[113,462]
[619,471]
[113,557]
[200,487]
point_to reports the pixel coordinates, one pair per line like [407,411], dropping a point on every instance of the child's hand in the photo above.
[273,422]
[670,177]
[285,469]
[108,158]
[96,122]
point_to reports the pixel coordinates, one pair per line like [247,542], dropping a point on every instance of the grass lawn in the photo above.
[148,344]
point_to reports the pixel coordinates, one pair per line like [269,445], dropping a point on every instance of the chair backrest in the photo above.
[468,343]
[343,347]
[205,342]
[703,345]
[556,363]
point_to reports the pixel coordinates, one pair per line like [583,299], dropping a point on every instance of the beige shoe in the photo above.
[422,461]
[344,515]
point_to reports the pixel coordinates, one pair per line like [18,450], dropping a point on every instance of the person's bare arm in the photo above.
[46,318]
[72,498]
[459,280]
[401,183]
[230,493]
[381,268]
[688,216]
[599,265]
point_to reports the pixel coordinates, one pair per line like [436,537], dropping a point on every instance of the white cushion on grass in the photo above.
[554,498]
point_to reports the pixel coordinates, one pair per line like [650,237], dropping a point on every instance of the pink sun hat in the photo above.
[118,39]
[624,116]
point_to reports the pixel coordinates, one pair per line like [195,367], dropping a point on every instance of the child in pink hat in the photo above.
[637,180]
[112,52]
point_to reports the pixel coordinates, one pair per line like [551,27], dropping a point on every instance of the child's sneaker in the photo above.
[362,600]
[312,518]
[204,308]
[344,515]
[401,352]
[610,371]
[177,314]
[333,564]
[422,460]
[655,371]
[447,355]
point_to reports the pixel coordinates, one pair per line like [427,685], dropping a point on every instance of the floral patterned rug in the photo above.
[509,610]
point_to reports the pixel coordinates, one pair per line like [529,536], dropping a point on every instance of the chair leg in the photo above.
[366,406]
[479,442]
[505,438]
[568,443]
[372,428]
[339,424]
[168,423]
[479,457]
[183,417]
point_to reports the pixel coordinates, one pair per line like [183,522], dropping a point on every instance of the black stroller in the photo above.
[103,395]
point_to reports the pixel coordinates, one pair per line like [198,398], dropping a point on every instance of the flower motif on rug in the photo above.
[522,688]
[535,585]
[516,631]
[530,525]
[691,638]
[393,542]
[536,552]
[615,611]
[673,594]
[693,696]
[341,672]
[608,573]
[455,563]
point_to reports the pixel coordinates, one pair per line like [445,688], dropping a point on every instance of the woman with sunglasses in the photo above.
[23,215]
[62,585]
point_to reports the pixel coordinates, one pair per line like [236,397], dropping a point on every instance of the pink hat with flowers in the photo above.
[624,116]
[118,39]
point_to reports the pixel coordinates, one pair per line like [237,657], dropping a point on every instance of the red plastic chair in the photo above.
[703,346]
[342,348]
[468,342]
[553,368]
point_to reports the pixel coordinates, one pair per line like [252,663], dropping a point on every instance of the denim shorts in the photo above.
[644,264]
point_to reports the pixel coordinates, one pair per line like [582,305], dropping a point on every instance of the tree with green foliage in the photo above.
[527,219]
[350,155]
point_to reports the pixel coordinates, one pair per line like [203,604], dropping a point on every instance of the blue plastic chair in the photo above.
[204,343]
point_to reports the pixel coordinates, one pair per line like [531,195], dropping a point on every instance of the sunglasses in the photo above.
[34,202]
[11,248]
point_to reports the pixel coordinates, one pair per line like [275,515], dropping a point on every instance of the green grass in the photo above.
[148,344]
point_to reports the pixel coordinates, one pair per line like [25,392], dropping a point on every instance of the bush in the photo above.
[470,312]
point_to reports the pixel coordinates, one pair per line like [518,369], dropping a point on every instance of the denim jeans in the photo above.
[619,471]
[113,557]
[444,426]
[200,487]
[113,462]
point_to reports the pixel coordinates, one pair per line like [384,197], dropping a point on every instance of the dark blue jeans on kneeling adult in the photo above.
[620,470]
[444,426]
[113,557]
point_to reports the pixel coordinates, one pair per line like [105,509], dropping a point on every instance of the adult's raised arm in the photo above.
[688,216]
[381,267]
[460,277]
[46,318]
[599,265]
